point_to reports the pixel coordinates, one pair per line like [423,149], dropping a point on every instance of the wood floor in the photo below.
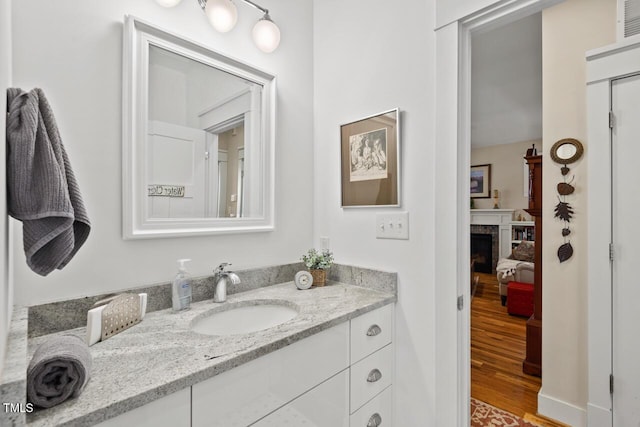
[498,347]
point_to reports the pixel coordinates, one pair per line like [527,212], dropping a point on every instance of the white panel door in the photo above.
[626,236]
[176,157]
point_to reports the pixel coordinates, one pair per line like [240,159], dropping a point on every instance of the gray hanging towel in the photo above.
[42,191]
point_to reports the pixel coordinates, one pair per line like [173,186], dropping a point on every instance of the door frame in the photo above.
[604,65]
[453,129]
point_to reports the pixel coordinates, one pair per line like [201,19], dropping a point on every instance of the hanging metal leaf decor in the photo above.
[565,189]
[564,170]
[564,211]
[566,232]
[565,252]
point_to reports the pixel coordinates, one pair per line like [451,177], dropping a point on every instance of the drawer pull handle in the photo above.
[374,330]
[375,420]
[374,376]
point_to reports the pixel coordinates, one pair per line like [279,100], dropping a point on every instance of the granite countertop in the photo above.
[162,355]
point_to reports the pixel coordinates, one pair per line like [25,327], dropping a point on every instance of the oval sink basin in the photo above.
[243,317]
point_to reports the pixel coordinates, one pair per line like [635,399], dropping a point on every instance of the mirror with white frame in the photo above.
[198,143]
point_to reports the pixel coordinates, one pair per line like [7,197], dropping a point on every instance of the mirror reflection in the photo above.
[200,122]
[566,151]
[198,139]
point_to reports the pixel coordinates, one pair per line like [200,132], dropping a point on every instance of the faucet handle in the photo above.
[221,267]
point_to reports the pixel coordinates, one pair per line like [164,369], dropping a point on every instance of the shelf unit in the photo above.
[522,230]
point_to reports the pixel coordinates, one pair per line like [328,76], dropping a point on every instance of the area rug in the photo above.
[485,415]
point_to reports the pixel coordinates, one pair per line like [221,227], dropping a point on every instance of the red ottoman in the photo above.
[520,299]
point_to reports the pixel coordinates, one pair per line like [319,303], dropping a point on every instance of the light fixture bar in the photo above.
[223,15]
[203,4]
[260,8]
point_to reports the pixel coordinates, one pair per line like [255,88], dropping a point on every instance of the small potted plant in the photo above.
[318,263]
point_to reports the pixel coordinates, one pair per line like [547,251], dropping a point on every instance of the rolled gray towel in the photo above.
[59,369]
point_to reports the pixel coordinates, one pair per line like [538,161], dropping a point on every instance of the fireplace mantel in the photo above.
[500,217]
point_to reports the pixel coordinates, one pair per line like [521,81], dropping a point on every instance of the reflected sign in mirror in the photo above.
[198,139]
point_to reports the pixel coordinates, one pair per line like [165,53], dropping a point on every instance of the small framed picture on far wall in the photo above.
[480,182]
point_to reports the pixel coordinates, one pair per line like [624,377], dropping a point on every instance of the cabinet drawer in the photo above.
[324,405]
[247,393]
[370,376]
[371,332]
[374,413]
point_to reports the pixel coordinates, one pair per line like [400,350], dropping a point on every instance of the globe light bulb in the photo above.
[168,3]
[222,14]
[266,34]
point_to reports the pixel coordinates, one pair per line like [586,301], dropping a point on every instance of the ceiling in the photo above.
[506,84]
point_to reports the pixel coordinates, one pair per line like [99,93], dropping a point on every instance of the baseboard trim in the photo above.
[598,416]
[564,412]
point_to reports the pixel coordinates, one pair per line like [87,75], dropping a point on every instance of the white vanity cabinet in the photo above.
[173,410]
[249,392]
[360,396]
[340,377]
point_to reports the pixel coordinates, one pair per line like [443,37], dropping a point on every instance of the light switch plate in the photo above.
[392,225]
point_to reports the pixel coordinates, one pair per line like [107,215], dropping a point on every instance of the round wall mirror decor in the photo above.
[566,151]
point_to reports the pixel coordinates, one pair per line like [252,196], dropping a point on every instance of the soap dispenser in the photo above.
[181,288]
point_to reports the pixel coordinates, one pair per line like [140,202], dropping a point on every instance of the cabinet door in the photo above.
[247,393]
[170,411]
[323,406]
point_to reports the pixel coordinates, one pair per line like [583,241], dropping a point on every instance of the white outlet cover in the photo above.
[324,243]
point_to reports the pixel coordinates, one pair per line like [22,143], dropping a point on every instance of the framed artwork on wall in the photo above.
[480,182]
[370,161]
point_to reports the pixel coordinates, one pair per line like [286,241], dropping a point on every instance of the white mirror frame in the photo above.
[138,35]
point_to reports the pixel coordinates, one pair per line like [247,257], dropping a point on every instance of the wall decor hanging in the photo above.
[370,149]
[565,152]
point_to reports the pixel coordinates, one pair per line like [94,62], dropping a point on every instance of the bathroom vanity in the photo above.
[306,383]
[329,365]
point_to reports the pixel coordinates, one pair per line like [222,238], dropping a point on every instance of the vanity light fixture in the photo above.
[223,16]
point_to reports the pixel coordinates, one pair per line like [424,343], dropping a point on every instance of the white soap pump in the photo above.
[181,288]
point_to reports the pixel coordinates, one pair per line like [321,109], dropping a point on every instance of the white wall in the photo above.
[73,50]
[369,58]
[507,174]
[6,288]
[569,30]
[168,99]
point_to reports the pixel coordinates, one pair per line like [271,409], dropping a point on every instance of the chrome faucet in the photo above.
[222,278]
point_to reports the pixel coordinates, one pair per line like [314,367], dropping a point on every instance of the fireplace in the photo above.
[484,247]
[481,252]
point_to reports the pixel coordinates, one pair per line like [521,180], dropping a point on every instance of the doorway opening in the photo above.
[505,122]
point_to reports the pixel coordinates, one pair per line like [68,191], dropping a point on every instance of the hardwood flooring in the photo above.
[498,347]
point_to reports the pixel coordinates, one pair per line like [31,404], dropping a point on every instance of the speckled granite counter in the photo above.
[13,381]
[162,355]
